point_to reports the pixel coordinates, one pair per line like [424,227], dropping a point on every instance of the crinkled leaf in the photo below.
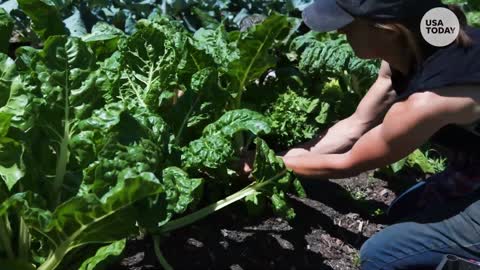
[216,44]
[268,165]
[181,190]
[94,132]
[281,207]
[235,121]
[299,188]
[103,254]
[116,160]
[292,118]
[213,151]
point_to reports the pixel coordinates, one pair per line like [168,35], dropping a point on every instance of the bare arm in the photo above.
[369,113]
[421,115]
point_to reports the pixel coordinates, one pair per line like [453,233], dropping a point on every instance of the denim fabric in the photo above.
[421,240]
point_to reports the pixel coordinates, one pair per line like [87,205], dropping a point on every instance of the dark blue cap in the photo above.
[329,15]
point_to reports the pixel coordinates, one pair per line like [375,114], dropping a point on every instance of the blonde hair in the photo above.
[414,40]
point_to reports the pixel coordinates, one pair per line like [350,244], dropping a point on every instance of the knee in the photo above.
[373,254]
[368,255]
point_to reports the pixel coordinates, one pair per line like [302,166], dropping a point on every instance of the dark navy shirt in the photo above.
[447,66]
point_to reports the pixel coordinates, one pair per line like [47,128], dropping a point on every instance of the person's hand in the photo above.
[296,152]
[385,71]
[244,166]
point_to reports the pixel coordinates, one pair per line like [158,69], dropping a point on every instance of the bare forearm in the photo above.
[340,138]
[336,140]
[319,166]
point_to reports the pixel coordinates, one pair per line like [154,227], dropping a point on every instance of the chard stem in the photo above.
[5,237]
[161,259]
[204,212]
[24,241]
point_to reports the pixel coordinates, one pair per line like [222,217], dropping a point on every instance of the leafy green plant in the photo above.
[92,147]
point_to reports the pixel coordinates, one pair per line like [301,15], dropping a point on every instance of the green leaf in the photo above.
[212,151]
[235,121]
[281,207]
[299,188]
[201,102]
[215,43]
[4,124]
[215,148]
[267,164]
[87,219]
[95,131]
[151,60]
[256,203]
[7,74]
[117,159]
[103,254]
[474,18]
[45,17]
[6,27]
[12,168]
[68,93]
[417,158]
[181,190]
[399,165]
[104,39]
[293,118]
[254,56]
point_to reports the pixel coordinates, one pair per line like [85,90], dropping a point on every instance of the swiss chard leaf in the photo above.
[45,17]
[254,53]
[103,254]
[6,27]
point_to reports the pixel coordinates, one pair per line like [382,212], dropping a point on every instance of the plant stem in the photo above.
[204,212]
[161,259]
[24,241]
[61,166]
[5,237]
[55,258]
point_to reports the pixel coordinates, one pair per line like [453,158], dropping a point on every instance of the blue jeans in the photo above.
[422,239]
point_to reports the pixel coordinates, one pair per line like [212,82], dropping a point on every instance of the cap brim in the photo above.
[326,16]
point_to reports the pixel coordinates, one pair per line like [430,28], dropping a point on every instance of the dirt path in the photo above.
[327,233]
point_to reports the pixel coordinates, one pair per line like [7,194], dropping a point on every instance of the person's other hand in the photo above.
[244,166]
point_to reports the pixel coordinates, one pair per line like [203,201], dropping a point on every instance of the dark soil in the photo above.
[330,227]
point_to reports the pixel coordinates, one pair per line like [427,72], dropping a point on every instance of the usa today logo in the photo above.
[440,27]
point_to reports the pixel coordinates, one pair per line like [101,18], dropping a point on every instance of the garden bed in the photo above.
[327,233]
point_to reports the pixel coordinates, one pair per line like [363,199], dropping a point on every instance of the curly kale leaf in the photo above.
[294,118]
